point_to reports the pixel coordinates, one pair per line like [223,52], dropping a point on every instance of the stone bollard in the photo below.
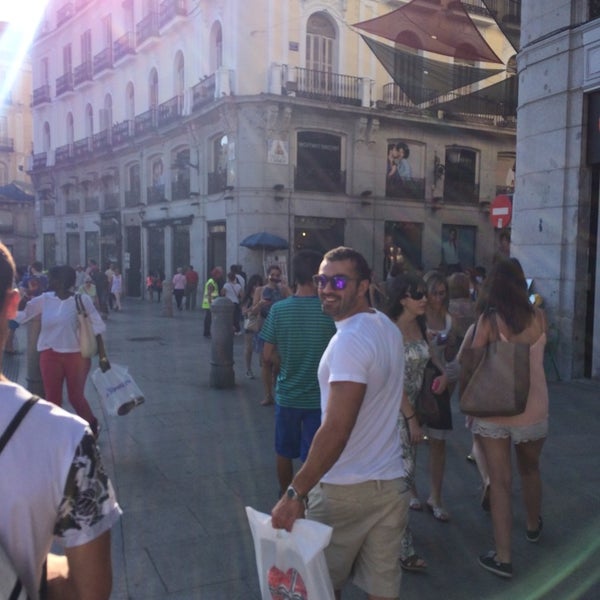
[222,374]
[167,290]
[34,376]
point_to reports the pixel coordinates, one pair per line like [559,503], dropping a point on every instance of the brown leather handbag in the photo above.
[494,379]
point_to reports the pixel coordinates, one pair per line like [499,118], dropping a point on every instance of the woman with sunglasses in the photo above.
[440,333]
[407,305]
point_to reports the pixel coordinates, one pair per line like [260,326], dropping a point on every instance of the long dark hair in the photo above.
[254,282]
[400,287]
[505,291]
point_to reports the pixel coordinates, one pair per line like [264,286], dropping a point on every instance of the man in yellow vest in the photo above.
[211,291]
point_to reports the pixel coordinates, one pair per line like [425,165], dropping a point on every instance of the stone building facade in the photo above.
[167,132]
[555,229]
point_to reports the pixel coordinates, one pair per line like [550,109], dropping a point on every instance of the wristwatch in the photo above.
[292,494]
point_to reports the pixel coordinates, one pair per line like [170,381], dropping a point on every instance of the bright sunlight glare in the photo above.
[23,18]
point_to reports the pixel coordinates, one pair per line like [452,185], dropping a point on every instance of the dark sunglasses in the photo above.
[338,282]
[417,295]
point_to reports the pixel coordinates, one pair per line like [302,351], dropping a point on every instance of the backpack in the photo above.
[11,587]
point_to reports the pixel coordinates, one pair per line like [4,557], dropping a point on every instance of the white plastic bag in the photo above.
[118,391]
[291,564]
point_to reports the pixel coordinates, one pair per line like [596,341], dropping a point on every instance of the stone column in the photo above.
[222,374]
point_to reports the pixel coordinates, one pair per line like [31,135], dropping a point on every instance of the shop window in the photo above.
[319,162]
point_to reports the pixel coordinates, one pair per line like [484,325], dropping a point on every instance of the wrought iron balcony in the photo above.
[169,9]
[146,122]
[41,95]
[7,144]
[170,110]
[103,60]
[111,201]
[122,132]
[40,160]
[81,148]
[147,28]
[203,93]
[133,197]
[62,154]
[329,87]
[64,84]
[124,46]
[101,141]
[83,72]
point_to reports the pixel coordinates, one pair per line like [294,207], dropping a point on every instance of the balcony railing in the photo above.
[47,208]
[101,141]
[133,197]
[329,87]
[180,189]
[81,148]
[83,72]
[169,9]
[72,206]
[111,201]
[63,154]
[147,28]
[461,192]
[64,13]
[41,95]
[122,132]
[407,187]
[124,46]
[40,160]
[64,84]
[170,110]
[103,60]
[91,204]
[217,182]
[203,92]
[156,194]
[7,144]
[145,122]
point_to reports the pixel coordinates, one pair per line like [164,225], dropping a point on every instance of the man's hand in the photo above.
[285,513]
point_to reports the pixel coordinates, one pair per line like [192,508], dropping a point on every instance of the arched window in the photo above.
[179,80]
[89,120]
[153,89]
[106,120]
[46,137]
[70,129]
[320,40]
[216,47]
[130,101]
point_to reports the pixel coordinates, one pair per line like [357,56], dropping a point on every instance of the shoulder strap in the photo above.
[16,421]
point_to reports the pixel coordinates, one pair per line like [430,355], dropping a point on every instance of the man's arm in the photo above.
[343,405]
[84,573]
[268,350]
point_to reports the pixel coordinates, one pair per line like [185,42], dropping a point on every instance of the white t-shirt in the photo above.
[60,327]
[232,291]
[35,465]
[367,348]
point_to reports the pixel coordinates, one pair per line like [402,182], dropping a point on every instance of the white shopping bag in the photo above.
[291,564]
[118,391]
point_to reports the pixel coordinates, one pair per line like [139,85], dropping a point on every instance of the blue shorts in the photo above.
[294,430]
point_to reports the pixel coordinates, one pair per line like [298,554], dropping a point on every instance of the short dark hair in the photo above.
[356,258]
[63,273]
[305,264]
[272,267]
[7,273]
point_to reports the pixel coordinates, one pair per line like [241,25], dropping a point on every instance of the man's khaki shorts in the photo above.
[368,521]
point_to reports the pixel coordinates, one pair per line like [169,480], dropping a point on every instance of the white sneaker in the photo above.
[250,374]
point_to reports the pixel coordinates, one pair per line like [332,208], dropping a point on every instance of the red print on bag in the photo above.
[286,586]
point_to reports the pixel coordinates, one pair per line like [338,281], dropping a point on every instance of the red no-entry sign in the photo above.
[501,211]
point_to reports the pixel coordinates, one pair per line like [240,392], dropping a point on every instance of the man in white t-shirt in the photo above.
[354,470]
[53,487]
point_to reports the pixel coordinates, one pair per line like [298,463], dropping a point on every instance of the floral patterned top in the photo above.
[416,355]
[89,499]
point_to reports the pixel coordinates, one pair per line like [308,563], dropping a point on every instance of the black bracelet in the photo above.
[411,416]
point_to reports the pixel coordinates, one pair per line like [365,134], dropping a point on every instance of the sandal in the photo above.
[533,535]
[415,504]
[439,512]
[413,563]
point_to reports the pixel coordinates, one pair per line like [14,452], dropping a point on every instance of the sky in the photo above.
[20,12]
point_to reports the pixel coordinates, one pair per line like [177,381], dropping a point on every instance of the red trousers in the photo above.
[58,367]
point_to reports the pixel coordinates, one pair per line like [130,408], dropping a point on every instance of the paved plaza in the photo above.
[187,462]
